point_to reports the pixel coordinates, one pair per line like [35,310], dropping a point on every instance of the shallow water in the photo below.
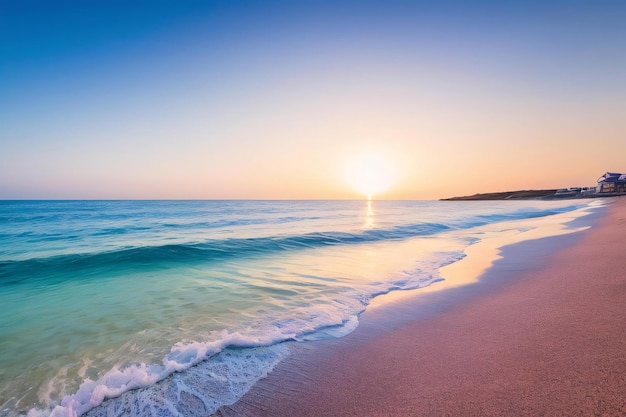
[101,297]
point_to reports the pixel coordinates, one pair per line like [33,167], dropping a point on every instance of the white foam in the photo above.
[135,376]
[200,390]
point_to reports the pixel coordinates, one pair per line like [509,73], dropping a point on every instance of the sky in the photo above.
[308,99]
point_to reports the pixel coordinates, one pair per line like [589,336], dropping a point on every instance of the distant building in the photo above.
[612,182]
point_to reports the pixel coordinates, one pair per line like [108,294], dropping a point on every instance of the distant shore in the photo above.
[544,334]
[551,194]
[507,195]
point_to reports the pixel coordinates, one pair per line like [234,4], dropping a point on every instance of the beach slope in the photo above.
[550,342]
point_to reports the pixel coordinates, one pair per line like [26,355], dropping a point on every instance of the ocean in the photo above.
[179,307]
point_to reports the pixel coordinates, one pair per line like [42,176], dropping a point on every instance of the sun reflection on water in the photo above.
[369,215]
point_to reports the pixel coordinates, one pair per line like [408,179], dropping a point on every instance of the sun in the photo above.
[370,174]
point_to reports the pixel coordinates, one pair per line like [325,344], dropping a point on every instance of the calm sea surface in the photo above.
[193,299]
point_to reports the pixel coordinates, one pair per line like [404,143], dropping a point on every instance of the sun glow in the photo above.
[370,174]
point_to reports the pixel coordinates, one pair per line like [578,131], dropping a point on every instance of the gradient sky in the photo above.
[268,99]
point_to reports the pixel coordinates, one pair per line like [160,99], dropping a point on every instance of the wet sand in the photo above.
[542,334]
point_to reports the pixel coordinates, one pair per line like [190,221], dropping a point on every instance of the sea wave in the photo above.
[146,387]
[72,265]
[219,371]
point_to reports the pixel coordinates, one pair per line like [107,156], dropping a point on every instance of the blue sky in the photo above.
[265,99]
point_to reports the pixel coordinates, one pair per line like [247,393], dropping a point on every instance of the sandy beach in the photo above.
[542,334]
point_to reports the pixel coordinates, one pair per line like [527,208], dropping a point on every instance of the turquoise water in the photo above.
[101,297]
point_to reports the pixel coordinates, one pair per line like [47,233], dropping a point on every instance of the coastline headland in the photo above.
[507,195]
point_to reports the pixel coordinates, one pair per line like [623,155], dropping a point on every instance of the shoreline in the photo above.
[523,341]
